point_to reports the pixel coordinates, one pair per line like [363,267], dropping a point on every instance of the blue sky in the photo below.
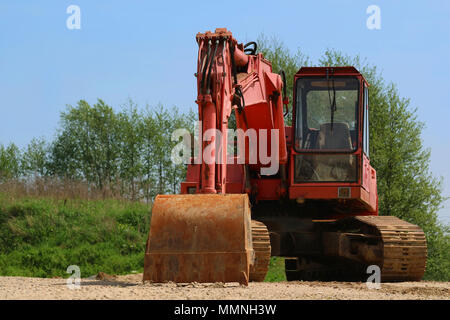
[146,50]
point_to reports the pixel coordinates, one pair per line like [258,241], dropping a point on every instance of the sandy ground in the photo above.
[131,287]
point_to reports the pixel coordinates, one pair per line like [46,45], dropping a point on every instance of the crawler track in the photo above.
[401,256]
[261,246]
[404,248]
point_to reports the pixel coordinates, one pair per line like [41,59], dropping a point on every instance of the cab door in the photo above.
[366,168]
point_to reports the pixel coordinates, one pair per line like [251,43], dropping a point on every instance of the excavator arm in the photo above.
[228,79]
[209,236]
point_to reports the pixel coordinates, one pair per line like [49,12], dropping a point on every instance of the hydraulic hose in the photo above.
[233,63]
[206,66]
[208,80]
[251,51]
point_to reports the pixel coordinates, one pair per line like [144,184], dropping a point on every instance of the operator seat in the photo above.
[334,167]
[338,138]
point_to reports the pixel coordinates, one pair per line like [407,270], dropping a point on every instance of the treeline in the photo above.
[122,154]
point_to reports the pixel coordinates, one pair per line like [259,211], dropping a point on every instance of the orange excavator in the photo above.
[306,192]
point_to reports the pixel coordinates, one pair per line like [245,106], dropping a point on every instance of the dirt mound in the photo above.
[105,276]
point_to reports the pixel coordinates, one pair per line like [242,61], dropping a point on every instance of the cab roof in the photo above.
[318,71]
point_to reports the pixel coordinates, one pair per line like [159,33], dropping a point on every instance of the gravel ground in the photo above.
[131,287]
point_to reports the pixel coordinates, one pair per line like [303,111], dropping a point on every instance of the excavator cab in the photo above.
[330,153]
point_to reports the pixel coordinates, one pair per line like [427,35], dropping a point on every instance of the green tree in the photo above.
[35,158]
[130,126]
[64,160]
[127,151]
[10,162]
[177,172]
[87,145]
[160,174]
[165,122]
[149,134]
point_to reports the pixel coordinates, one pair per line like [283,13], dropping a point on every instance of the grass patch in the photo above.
[276,270]
[41,237]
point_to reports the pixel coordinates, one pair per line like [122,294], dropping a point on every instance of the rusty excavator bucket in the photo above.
[199,238]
